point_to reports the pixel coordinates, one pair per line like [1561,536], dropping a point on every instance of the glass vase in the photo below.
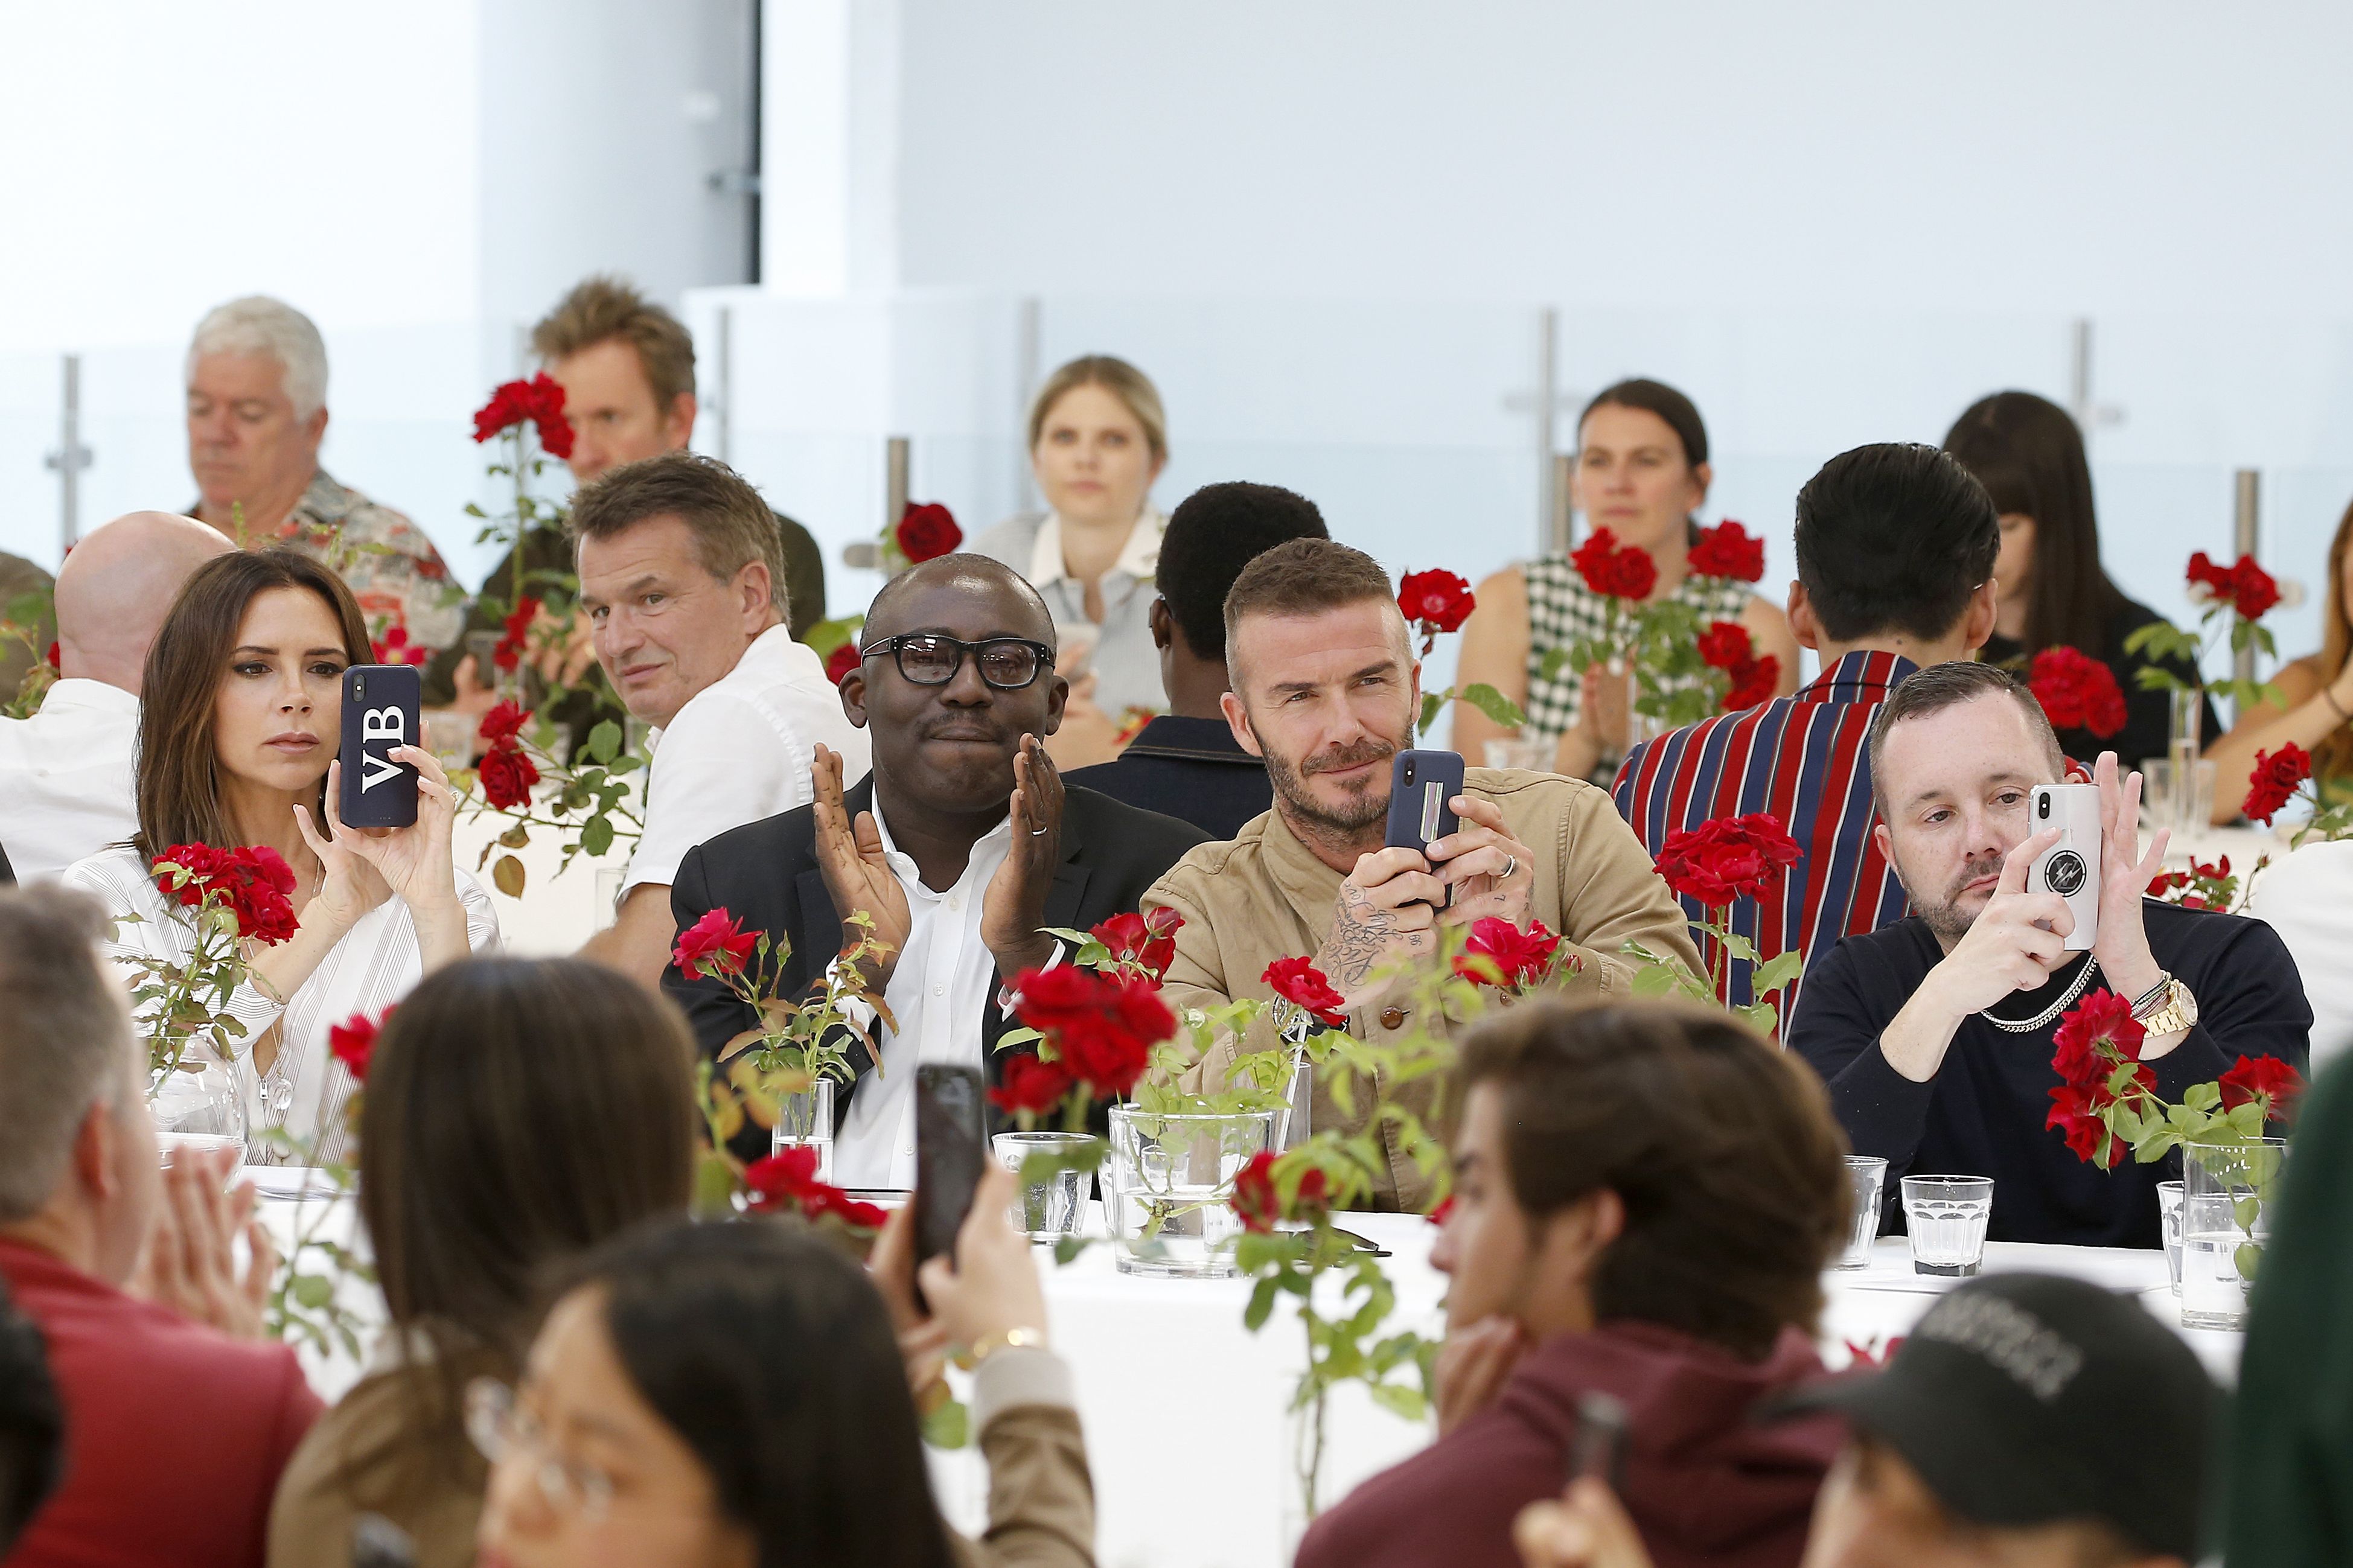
[2184,740]
[2228,1191]
[1169,1181]
[805,1120]
[199,1104]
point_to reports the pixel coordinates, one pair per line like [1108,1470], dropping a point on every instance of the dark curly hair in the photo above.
[1214,533]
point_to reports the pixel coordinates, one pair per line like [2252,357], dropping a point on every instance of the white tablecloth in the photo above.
[556,913]
[1185,1411]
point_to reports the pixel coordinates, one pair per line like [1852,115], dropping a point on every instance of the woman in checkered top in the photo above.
[1641,472]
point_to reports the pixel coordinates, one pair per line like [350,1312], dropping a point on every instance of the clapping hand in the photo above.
[189,1266]
[857,875]
[1014,906]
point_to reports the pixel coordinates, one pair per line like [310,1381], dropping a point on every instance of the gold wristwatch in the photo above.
[2173,1012]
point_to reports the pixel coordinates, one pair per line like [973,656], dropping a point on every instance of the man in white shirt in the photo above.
[682,579]
[960,847]
[66,781]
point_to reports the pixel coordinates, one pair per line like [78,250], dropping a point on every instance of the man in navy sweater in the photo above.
[1935,1034]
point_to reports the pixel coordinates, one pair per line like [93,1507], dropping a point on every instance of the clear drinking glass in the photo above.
[1947,1216]
[2179,793]
[2169,1213]
[805,1120]
[608,895]
[2228,1191]
[1055,1204]
[1866,1177]
[199,1104]
[1167,1185]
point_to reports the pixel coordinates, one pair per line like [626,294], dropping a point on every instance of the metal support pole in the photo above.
[896,459]
[724,424]
[1564,519]
[1027,373]
[71,457]
[2246,538]
[2079,373]
[1550,495]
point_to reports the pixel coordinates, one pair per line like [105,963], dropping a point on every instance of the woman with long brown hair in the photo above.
[518,1112]
[240,721]
[2316,692]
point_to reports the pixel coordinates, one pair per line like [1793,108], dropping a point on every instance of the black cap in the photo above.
[2027,1399]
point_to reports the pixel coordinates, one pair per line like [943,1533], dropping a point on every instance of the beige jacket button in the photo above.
[1392,1017]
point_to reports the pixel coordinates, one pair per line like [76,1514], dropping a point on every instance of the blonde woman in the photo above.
[1098,439]
[2318,693]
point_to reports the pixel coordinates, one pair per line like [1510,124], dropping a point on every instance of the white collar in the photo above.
[1139,557]
[81,691]
[910,874]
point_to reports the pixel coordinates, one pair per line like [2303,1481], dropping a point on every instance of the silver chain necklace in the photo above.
[2028,1027]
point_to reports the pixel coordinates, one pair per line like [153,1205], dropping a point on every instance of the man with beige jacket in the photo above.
[1326,688]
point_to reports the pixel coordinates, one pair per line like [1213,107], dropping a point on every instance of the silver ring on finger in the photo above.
[1510,864]
[1038,833]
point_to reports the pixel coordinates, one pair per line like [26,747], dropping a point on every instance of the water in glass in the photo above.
[1867,1176]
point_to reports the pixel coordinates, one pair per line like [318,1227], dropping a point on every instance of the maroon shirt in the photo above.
[175,1434]
[1705,1483]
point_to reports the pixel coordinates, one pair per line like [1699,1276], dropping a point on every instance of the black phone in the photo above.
[950,1153]
[384,706]
[1597,1445]
[1422,786]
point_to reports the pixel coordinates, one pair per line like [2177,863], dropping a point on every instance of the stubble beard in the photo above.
[1364,806]
[1945,920]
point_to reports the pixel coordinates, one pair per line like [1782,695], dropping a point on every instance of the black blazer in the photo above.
[766,875]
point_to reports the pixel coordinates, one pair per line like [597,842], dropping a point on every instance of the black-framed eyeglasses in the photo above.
[927,659]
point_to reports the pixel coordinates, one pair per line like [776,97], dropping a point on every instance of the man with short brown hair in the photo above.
[681,582]
[1326,688]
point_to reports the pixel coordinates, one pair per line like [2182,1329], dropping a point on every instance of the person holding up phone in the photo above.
[240,724]
[1326,688]
[959,847]
[1935,1034]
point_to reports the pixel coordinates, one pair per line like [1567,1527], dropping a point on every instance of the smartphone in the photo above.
[1420,785]
[951,1152]
[384,706]
[1596,1443]
[2070,867]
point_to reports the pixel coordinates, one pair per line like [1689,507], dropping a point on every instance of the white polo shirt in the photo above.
[741,750]
[67,780]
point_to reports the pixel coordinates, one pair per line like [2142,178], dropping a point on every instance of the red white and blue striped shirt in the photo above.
[1804,759]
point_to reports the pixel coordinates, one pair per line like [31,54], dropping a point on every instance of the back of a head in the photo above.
[116,585]
[2029,454]
[1304,577]
[65,1039]
[1212,535]
[32,1425]
[519,1112]
[603,309]
[1894,539]
[771,1355]
[271,328]
[733,527]
[1721,1148]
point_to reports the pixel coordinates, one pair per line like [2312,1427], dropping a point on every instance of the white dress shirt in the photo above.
[68,778]
[740,751]
[375,965]
[938,992]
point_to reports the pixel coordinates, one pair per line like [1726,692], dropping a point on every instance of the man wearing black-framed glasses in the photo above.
[960,847]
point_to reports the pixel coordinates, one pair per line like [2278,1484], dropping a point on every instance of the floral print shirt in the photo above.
[399,578]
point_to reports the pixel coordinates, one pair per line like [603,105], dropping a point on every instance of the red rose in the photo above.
[1728,549]
[510,651]
[2269,1077]
[1626,574]
[841,660]
[2097,1033]
[1300,982]
[1513,957]
[502,721]
[252,881]
[538,401]
[2204,573]
[1435,601]
[1753,682]
[2078,691]
[927,531]
[1728,857]
[1253,1200]
[2276,777]
[2165,882]
[1030,1084]
[2246,586]
[396,647]
[1148,941]
[2075,1111]
[1443,1212]
[714,946]
[507,776]
[1104,1026]
[51,657]
[1727,645]
[785,1182]
[352,1042]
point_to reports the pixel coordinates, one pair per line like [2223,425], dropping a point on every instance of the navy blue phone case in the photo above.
[384,706]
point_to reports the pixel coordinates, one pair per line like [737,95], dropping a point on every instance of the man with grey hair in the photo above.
[256,385]
[1936,1035]
[67,776]
[176,1432]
